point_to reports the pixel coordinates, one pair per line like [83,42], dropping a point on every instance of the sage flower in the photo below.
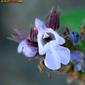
[78,60]
[27,48]
[27,44]
[55,53]
[74,37]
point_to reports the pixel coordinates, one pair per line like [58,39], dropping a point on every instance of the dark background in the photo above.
[15,69]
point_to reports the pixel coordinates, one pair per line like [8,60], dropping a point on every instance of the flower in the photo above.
[33,34]
[55,54]
[27,48]
[27,43]
[77,58]
[74,37]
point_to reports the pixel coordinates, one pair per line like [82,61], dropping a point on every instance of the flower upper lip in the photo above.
[43,30]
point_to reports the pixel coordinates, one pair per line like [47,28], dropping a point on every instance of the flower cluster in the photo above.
[62,53]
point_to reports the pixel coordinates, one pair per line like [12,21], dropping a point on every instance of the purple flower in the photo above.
[55,54]
[48,43]
[27,48]
[27,44]
[74,37]
[77,58]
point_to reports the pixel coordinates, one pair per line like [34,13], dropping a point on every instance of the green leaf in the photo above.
[81,45]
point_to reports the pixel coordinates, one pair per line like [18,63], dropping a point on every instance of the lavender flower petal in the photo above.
[64,54]
[52,59]
[26,49]
[77,56]
[59,40]
[78,61]
[74,37]
[39,25]
[56,54]
[77,67]
[40,44]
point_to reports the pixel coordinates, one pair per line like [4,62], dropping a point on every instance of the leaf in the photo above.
[81,45]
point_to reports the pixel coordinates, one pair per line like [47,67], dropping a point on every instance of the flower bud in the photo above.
[53,19]
[33,34]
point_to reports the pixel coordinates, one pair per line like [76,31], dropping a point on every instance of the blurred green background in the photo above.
[15,69]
